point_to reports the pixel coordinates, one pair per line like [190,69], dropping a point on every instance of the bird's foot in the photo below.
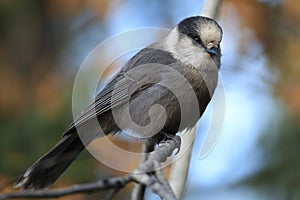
[172,137]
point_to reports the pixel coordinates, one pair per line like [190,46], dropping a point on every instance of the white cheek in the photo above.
[187,52]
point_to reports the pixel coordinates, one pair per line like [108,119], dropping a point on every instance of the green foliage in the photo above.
[280,146]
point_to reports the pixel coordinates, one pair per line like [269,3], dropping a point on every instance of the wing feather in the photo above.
[104,101]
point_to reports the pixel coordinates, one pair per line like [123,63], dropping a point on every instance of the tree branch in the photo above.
[180,167]
[138,191]
[211,8]
[142,175]
[79,188]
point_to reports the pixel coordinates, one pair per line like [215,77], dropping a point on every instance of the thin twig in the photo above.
[159,174]
[80,188]
[141,175]
[112,193]
[138,191]
[154,185]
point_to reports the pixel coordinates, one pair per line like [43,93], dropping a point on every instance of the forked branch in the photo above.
[148,173]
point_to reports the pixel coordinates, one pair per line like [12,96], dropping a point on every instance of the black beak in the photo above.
[212,51]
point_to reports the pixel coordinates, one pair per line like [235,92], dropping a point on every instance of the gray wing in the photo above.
[119,85]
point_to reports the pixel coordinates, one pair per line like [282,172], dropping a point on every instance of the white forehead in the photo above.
[210,32]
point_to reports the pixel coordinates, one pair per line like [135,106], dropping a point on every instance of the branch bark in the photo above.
[114,182]
[143,175]
[180,167]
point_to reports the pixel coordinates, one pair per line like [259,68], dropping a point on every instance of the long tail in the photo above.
[48,168]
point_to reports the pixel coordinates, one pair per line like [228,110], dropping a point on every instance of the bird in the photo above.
[160,91]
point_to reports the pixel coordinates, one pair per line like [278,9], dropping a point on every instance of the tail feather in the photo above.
[50,167]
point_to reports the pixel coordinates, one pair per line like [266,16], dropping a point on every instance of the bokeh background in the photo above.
[43,43]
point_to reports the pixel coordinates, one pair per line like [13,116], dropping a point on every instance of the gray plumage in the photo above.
[179,73]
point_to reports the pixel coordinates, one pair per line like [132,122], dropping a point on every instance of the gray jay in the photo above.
[162,90]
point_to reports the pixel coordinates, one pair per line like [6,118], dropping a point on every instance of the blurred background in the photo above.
[43,43]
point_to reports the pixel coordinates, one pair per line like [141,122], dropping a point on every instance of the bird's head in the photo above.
[196,40]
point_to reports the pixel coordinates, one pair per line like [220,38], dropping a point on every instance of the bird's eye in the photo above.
[196,39]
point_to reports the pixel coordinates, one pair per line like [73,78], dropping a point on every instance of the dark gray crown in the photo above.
[192,25]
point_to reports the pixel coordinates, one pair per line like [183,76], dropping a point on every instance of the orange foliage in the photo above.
[252,14]
[277,28]
[48,95]
[292,10]
[72,7]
